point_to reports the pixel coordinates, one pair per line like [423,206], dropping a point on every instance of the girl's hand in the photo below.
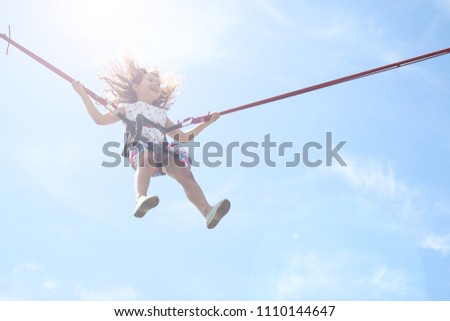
[79,88]
[214,117]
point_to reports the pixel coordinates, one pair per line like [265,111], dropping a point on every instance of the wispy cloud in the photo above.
[313,276]
[49,286]
[25,267]
[29,280]
[380,181]
[118,293]
[342,29]
[274,13]
[305,275]
[394,283]
[440,243]
[373,179]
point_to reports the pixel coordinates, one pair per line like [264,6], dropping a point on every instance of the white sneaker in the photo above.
[217,212]
[144,204]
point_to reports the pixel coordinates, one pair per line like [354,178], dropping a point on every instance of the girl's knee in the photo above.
[181,174]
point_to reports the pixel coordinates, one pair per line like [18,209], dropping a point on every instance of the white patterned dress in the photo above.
[153,139]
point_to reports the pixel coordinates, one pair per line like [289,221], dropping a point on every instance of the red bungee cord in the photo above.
[195,120]
[330,83]
[59,72]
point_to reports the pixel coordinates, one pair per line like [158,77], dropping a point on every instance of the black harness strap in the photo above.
[134,129]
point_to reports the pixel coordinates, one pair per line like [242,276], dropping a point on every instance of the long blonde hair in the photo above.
[122,77]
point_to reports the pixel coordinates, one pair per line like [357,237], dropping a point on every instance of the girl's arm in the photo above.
[183,136]
[97,117]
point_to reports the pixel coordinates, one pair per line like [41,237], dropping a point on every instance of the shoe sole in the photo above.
[221,211]
[147,205]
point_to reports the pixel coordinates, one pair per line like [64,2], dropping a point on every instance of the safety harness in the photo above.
[134,128]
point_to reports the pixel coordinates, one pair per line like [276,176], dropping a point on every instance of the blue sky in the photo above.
[377,229]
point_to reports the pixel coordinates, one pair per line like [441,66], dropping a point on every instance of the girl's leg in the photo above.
[143,174]
[142,177]
[194,193]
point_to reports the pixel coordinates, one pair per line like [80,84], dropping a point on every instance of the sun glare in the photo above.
[101,16]
[165,31]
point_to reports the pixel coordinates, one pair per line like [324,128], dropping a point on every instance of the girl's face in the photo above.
[149,90]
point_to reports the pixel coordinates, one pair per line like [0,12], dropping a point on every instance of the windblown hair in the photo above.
[122,77]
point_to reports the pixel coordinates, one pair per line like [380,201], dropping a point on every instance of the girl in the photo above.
[139,92]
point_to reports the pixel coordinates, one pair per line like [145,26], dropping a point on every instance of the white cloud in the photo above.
[377,180]
[331,32]
[275,14]
[303,276]
[25,267]
[27,280]
[394,283]
[312,276]
[119,293]
[440,243]
[49,286]
[380,184]
[342,28]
